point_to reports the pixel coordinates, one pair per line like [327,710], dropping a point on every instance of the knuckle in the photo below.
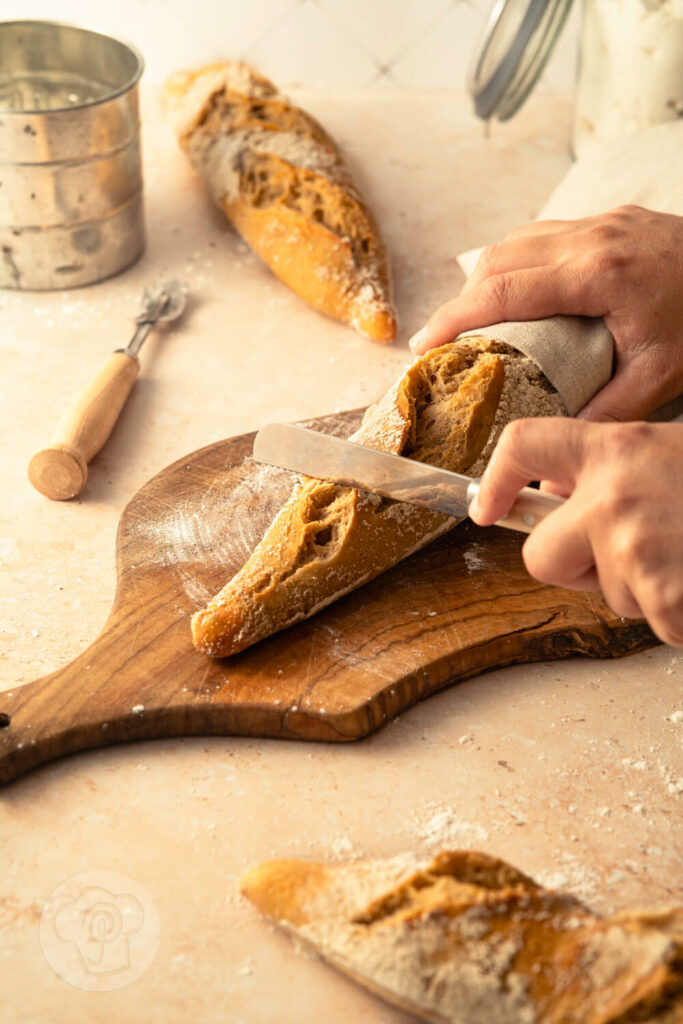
[626,211]
[606,230]
[605,508]
[523,229]
[606,260]
[490,258]
[495,292]
[513,435]
[633,545]
[619,441]
[638,544]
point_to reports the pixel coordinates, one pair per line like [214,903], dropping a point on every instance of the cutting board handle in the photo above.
[54,715]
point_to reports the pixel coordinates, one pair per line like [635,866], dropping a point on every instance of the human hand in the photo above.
[619,531]
[625,265]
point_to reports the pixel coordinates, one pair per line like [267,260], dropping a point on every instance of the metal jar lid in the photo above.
[518,39]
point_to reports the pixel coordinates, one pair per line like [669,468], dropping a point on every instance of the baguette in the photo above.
[468,939]
[447,410]
[282,182]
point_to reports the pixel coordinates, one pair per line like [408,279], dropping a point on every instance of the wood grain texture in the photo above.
[460,607]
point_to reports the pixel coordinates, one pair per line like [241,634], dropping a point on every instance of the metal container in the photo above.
[70,170]
[630,68]
[630,71]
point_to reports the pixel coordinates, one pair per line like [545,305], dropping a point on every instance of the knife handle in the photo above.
[529,508]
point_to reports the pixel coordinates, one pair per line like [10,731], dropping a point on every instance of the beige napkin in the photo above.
[576,353]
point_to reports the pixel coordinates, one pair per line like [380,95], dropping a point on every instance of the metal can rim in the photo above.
[109,96]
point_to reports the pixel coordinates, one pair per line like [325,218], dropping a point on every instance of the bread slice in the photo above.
[468,939]
[328,540]
[280,179]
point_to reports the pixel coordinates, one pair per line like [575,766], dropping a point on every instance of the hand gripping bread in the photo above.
[468,939]
[278,176]
[329,539]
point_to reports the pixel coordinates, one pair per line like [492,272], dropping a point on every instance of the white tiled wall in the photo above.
[421,44]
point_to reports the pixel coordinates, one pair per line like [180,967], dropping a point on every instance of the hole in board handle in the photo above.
[5,720]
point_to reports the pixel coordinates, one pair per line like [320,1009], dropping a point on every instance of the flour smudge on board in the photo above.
[217,531]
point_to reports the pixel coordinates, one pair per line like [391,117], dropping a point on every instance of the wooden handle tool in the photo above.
[60,470]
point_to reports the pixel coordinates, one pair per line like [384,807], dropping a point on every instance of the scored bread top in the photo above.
[281,180]
[466,938]
[329,539]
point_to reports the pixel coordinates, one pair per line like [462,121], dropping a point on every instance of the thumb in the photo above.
[627,396]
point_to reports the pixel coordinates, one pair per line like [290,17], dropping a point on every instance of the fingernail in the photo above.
[589,415]
[417,340]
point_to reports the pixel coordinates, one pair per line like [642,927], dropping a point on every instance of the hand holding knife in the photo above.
[392,476]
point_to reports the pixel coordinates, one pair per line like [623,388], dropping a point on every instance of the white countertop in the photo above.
[571,770]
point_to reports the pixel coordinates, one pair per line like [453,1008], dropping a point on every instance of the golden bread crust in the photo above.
[328,539]
[469,939]
[280,179]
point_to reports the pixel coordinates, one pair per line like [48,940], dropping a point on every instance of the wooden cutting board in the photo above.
[463,605]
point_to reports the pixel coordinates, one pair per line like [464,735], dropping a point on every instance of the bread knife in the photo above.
[392,476]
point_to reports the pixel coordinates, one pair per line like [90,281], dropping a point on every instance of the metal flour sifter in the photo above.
[70,171]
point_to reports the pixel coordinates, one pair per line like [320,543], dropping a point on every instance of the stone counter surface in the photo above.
[571,770]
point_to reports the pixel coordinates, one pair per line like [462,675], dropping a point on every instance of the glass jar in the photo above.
[630,69]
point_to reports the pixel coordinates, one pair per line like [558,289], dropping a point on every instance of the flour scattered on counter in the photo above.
[138,709]
[441,826]
[673,785]
[247,967]
[630,762]
[676,718]
[343,848]
[572,876]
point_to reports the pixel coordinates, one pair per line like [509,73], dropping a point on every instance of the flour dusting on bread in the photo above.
[447,410]
[468,939]
[282,182]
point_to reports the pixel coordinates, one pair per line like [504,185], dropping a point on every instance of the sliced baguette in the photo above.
[328,539]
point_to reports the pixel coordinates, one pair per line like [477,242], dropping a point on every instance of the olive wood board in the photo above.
[461,606]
